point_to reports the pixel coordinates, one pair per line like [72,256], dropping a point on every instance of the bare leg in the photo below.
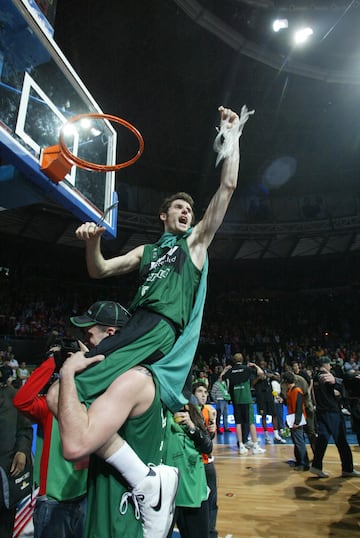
[253,433]
[239,433]
[110,447]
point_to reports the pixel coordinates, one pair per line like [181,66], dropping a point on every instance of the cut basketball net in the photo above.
[57,161]
[229,133]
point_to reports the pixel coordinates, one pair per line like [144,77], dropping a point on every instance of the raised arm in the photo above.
[214,215]
[259,371]
[98,266]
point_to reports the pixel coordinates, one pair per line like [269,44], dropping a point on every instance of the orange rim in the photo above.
[94,167]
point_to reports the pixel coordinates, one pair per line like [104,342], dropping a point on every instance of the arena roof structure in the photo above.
[166,66]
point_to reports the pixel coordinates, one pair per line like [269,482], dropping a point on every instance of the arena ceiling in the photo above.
[166,66]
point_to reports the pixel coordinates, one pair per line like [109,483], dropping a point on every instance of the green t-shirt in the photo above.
[65,480]
[180,452]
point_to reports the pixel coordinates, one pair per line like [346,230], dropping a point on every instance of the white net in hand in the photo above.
[229,133]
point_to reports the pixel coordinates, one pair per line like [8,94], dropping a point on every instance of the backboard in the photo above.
[39,92]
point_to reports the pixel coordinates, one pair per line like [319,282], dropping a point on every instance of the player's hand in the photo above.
[327,377]
[77,362]
[88,231]
[229,116]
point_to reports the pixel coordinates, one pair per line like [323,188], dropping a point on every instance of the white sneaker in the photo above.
[243,449]
[256,449]
[279,440]
[319,472]
[249,444]
[154,500]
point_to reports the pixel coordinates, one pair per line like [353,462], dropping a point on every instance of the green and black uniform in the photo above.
[161,311]
[167,303]
[240,389]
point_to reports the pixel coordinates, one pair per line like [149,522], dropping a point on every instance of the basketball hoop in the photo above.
[57,161]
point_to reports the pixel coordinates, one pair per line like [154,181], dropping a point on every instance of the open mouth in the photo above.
[183,220]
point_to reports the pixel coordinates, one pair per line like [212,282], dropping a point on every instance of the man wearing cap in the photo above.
[166,311]
[141,424]
[102,319]
[330,421]
[61,502]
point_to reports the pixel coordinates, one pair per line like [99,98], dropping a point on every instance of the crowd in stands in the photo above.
[288,326]
[274,333]
[280,329]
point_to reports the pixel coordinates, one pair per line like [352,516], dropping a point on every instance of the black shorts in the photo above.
[142,322]
[265,408]
[244,413]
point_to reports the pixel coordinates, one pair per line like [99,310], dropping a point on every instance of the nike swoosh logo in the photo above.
[157,507]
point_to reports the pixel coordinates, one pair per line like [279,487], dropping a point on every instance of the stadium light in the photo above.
[302,35]
[280,24]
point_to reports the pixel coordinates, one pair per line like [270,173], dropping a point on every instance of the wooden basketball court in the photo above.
[262,496]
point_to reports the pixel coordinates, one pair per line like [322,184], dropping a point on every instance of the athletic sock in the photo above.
[276,434]
[129,465]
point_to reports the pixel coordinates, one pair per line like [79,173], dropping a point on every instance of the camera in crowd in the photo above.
[67,345]
[60,347]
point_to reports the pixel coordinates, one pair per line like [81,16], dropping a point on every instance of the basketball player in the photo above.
[162,333]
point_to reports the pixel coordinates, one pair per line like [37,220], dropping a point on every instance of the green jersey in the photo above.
[145,434]
[65,480]
[180,452]
[242,393]
[169,281]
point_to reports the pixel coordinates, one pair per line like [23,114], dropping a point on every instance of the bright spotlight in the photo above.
[280,24]
[85,123]
[95,132]
[69,130]
[301,36]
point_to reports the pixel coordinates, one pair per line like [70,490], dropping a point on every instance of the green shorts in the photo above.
[144,339]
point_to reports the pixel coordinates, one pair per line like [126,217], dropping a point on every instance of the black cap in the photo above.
[106,313]
[325,360]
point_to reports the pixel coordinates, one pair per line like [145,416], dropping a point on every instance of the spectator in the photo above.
[22,373]
[221,396]
[330,421]
[201,394]
[15,448]
[296,408]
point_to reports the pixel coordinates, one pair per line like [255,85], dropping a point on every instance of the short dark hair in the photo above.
[288,377]
[198,385]
[177,196]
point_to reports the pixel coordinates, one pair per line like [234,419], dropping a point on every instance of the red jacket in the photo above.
[34,406]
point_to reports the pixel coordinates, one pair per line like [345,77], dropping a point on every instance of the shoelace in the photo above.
[124,503]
